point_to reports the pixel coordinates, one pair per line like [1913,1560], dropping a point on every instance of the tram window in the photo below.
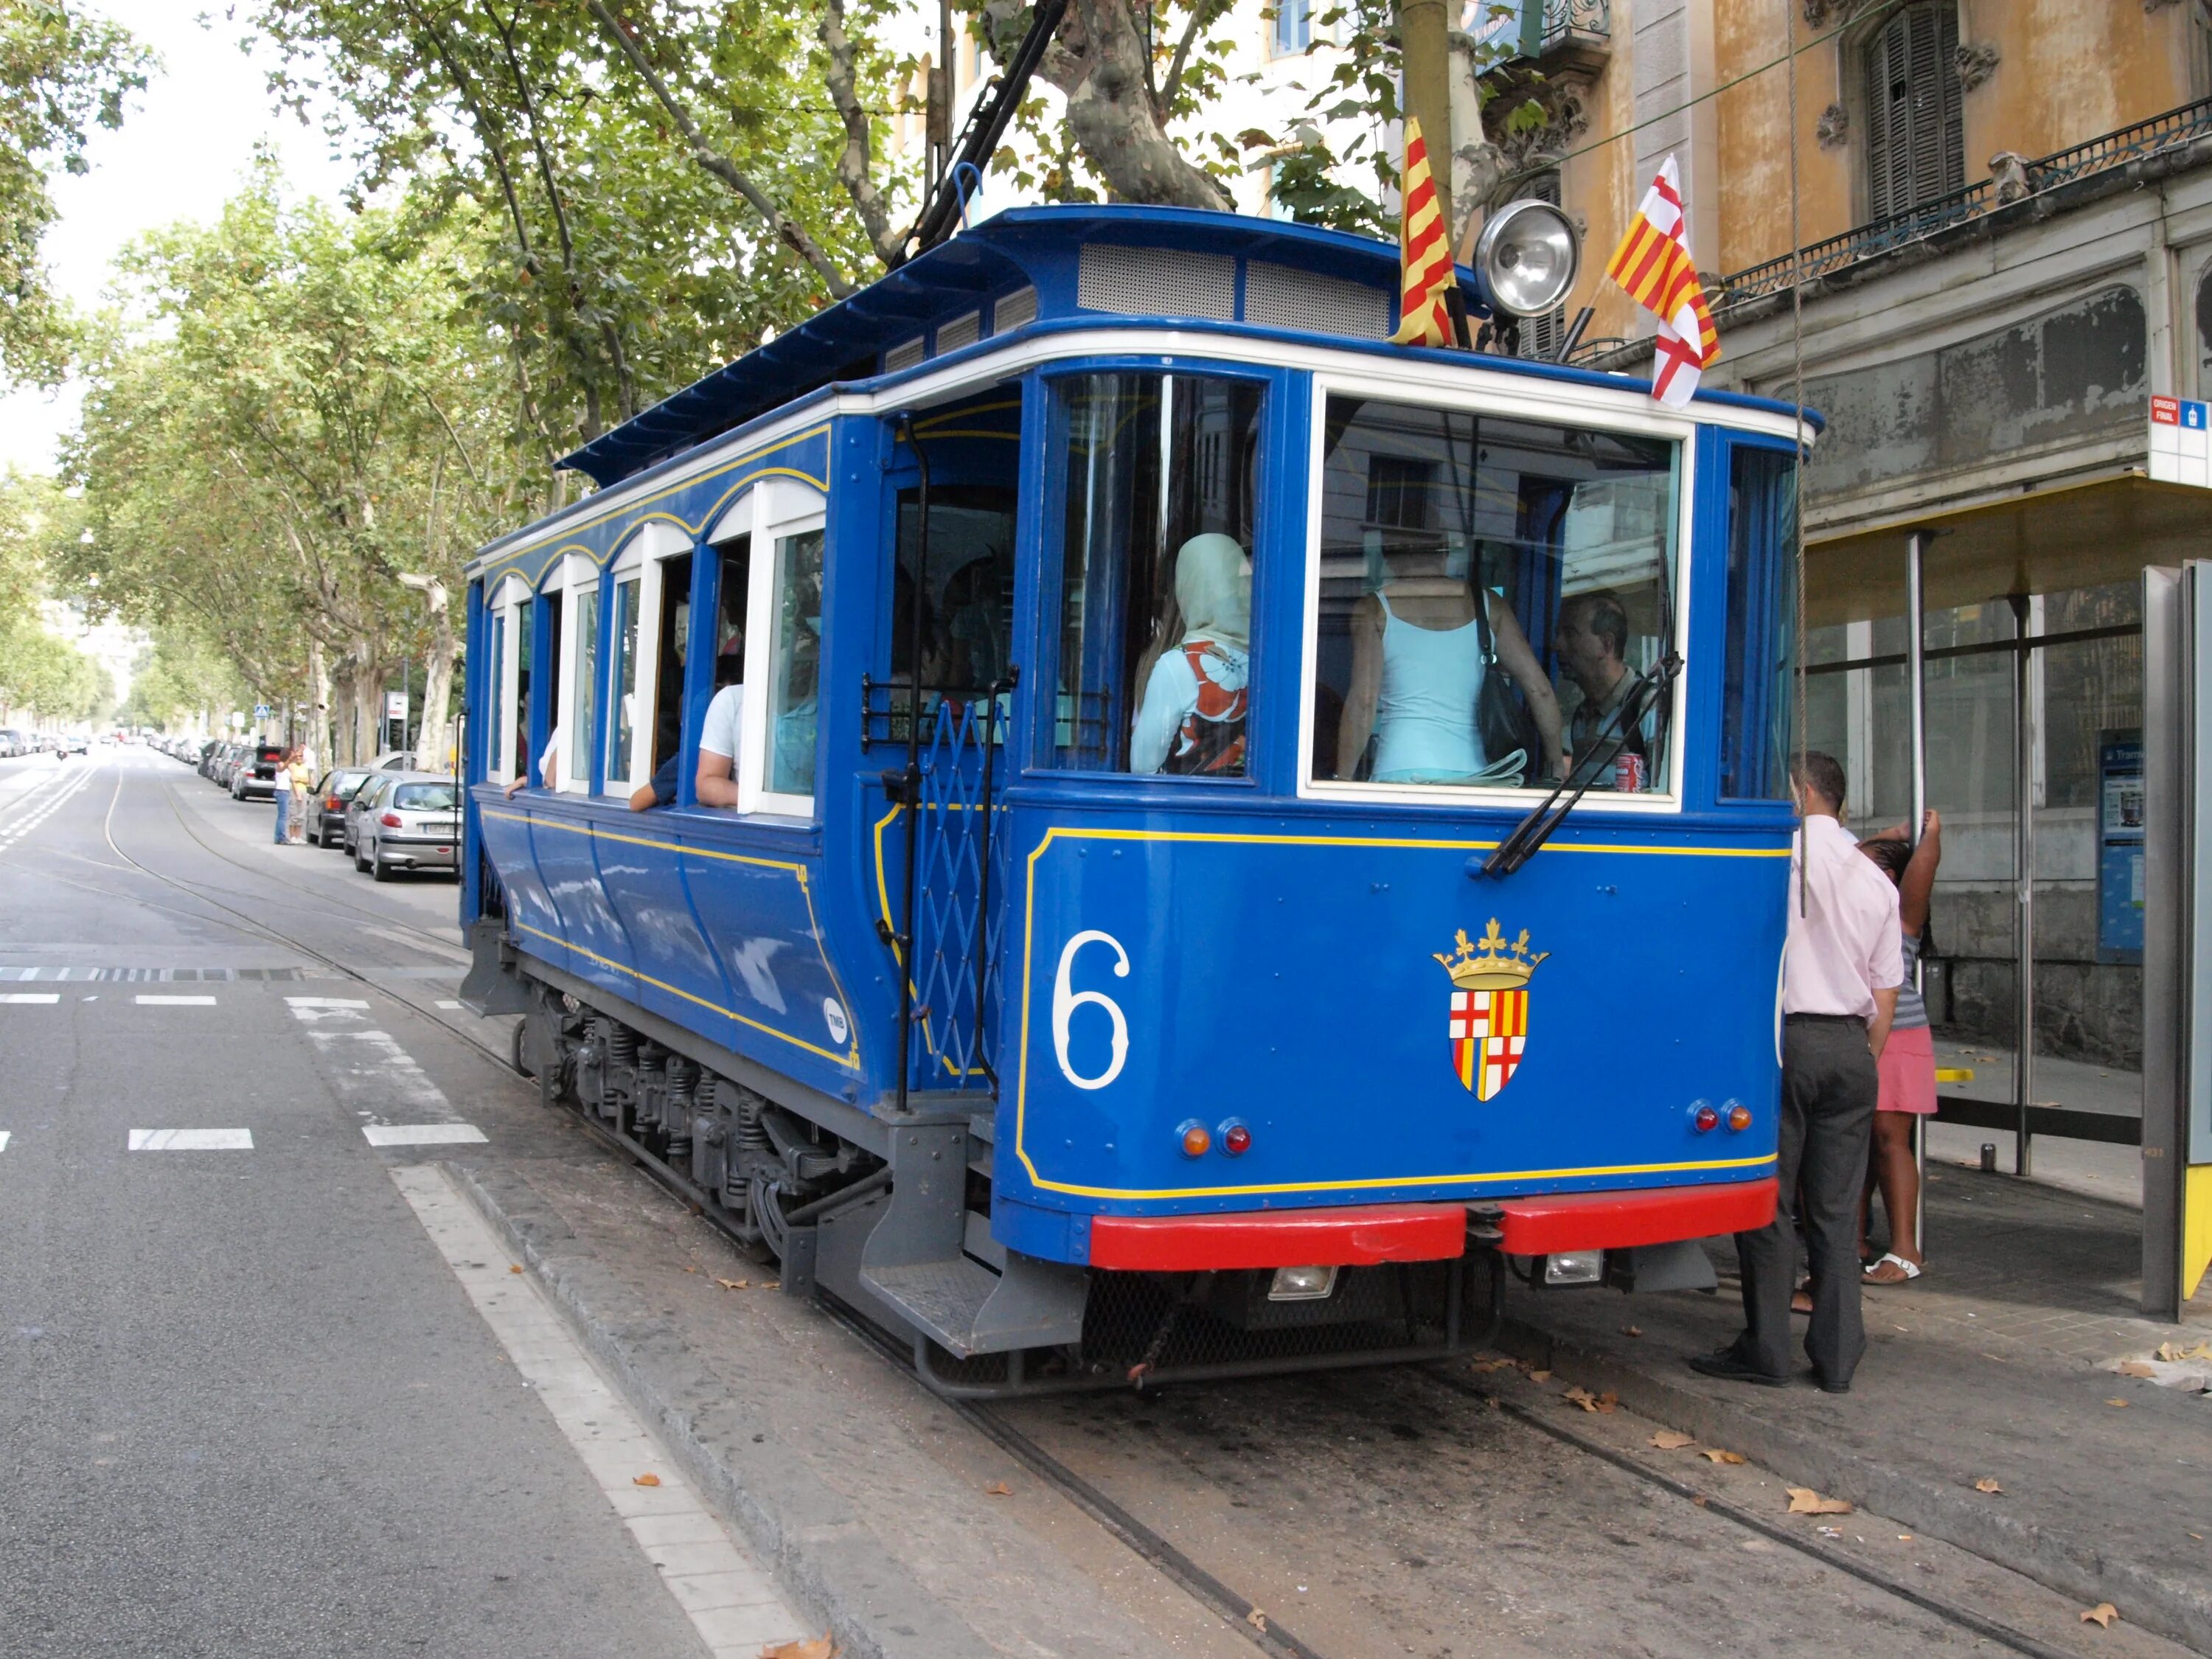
[518,720]
[967,615]
[1757,706]
[582,716]
[794,672]
[1160,476]
[622,681]
[495,765]
[674,641]
[1489,591]
[554,616]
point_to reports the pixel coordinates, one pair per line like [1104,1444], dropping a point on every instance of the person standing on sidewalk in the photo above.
[298,777]
[282,795]
[1841,966]
[1908,1059]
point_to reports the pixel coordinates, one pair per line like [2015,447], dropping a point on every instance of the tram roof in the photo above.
[1075,258]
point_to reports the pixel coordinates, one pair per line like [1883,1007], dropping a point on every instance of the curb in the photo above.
[823,1558]
[2175,1608]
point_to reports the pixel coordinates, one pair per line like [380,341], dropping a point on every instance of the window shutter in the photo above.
[1915,141]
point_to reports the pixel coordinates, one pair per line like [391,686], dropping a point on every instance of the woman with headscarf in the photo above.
[1191,718]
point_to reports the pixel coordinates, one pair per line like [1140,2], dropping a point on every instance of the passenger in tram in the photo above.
[1907,1064]
[548,764]
[1589,641]
[717,782]
[660,789]
[1418,666]
[1191,720]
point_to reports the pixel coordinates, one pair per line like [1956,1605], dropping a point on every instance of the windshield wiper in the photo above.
[1532,831]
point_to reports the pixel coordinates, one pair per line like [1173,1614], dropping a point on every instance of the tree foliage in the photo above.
[39,671]
[62,75]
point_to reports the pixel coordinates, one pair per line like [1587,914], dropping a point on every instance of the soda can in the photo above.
[1628,773]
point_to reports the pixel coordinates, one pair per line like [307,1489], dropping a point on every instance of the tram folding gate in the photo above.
[2177,973]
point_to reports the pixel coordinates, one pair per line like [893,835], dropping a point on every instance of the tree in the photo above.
[61,74]
[39,670]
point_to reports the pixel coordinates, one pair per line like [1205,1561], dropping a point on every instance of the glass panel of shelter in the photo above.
[2077,655]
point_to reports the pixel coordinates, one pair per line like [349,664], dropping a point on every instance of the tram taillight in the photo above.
[1195,1137]
[1703,1119]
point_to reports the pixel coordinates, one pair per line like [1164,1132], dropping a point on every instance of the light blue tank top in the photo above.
[1911,1007]
[1425,714]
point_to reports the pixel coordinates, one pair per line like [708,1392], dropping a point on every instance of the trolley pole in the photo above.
[1915,692]
[2023,1066]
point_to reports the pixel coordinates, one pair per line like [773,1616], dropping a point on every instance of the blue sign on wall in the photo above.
[2120,846]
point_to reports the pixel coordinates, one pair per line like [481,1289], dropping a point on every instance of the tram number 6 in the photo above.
[1065,1000]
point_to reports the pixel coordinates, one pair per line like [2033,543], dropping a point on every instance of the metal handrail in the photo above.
[2176,129]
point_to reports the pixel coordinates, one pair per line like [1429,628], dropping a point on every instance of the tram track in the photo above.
[1264,1631]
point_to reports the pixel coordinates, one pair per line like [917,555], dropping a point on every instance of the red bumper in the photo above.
[1367,1236]
[1614,1221]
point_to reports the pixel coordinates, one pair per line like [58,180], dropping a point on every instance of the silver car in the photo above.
[411,821]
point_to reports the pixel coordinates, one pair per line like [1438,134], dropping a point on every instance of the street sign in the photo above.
[261,711]
[395,704]
[2181,441]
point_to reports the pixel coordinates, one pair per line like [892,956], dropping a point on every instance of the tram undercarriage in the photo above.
[891,1219]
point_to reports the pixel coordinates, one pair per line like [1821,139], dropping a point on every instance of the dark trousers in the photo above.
[1829,1088]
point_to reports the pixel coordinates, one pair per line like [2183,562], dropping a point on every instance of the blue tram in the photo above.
[1115,821]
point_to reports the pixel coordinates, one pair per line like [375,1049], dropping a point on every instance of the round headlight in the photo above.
[1528,257]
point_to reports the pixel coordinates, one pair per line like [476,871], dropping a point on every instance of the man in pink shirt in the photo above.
[1841,966]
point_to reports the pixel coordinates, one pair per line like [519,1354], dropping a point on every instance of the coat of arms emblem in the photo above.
[1489,1008]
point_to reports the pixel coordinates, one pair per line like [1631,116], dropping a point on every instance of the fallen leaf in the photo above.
[1987,1484]
[1715,1455]
[1631,1330]
[1584,1398]
[732,1283]
[1540,1376]
[2102,1615]
[1699,1500]
[1803,1500]
[2171,1352]
[1257,1618]
[645,1480]
[690,1270]
[2122,1404]
[1672,1439]
[997,1489]
[770,1283]
[1608,1401]
[1486,1366]
[806,1647]
[2134,1368]
[513,1269]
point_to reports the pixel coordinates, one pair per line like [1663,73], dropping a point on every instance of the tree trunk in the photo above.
[319,714]
[1099,60]
[433,737]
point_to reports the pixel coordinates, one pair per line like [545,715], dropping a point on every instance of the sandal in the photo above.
[1907,1271]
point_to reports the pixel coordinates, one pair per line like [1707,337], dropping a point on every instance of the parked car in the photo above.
[255,774]
[327,805]
[413,824]
[393,759]
[365,799]
[12,743]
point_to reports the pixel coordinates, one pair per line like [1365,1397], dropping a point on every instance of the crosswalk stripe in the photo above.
[300,1005]
[192,1140]
[4,1140]
[174,1002]
[30,996]
[421,1134]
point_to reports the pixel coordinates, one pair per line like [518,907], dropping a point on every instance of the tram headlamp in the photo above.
[1574,1268]
[1302,1285]
[1526,257]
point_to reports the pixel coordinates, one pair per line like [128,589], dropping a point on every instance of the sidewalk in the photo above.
[1998,1366]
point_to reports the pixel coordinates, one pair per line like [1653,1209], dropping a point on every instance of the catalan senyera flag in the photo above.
[1424,252]
[1653,265]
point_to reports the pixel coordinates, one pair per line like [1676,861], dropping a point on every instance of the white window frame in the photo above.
[781,508]
[578,577]
[507,600]
[656,543]
[1509,404]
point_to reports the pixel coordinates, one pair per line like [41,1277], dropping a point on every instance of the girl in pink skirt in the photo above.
[1907,1065]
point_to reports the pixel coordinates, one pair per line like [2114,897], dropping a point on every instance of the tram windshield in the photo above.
[1159,480]
[1491,589]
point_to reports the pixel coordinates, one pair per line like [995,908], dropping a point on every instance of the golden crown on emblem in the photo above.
[1491,963]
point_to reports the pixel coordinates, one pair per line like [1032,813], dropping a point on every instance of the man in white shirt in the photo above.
[1841,966]
[548,764]
[716,784]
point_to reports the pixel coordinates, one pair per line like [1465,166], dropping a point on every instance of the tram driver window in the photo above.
[1490,592]
[674,641]
[718,737]
[1160,475]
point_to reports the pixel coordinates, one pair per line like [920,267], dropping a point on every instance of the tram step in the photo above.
[967,1309]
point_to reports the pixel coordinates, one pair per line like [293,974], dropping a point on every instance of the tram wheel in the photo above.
[518,1050]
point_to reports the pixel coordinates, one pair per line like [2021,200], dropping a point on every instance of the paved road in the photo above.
[250,1402]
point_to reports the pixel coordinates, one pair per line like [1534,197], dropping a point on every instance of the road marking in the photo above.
[448,1003]
[729,1598]
[422,1134]
[30,996]
[174,1002]
[192,1140]
[33,815]
[4,1140]
[373,1076]
[310,1010]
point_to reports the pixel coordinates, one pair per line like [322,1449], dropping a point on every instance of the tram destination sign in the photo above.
[2180,442]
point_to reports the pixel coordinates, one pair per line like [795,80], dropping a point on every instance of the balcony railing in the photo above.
[2176,129]
[1567,19]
